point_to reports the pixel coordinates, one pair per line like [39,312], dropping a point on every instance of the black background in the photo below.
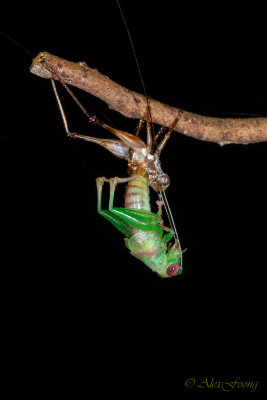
[107,311]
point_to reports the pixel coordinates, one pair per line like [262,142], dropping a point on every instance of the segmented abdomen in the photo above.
[146,246]
[137,193]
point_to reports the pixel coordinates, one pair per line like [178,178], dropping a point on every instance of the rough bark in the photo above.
[133,105]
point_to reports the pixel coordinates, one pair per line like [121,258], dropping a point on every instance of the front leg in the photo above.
[160,203]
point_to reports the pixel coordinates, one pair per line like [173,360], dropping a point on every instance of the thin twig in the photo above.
[133,105]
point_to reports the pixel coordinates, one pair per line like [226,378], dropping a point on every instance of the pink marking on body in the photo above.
[129,204]
[133,194]
[135,186]
[145,253]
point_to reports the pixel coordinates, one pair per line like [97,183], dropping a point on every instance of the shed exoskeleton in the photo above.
[145,234]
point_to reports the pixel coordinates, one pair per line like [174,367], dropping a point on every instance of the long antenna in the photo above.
[132,46]
[172,223]
[136,61]
[16,43]
[161,194]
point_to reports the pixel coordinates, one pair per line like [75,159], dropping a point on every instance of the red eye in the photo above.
[173,269]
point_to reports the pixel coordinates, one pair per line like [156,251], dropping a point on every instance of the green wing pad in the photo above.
[118,222]
[138,219]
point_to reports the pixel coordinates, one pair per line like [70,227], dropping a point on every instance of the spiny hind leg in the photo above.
[168,133]
[139,126]
[112,187]
[138,219]
[148,125]
[118,148]
[112,217]
[146,119]
[113,183]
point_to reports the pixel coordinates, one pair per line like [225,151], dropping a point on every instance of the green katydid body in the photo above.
[144,234]
[149,246]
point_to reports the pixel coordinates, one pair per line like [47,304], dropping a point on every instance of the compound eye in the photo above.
[164,181]
[173,269]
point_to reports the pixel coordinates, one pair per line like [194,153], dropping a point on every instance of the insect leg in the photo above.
[148,126]
[138,219]
[127,138]
[115,220]
[116,147]
[123,218]
[168,134]
[161,130]
[168,236]
[139,126]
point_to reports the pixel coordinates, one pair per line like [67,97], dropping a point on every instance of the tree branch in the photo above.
[133,105]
